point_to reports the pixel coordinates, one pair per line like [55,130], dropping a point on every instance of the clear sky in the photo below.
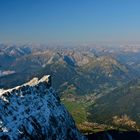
[61,21]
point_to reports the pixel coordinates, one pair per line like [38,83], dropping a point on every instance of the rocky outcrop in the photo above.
[34,111]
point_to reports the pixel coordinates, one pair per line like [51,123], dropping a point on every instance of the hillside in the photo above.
[121,103]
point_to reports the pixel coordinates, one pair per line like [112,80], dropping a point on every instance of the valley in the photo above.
[96,84]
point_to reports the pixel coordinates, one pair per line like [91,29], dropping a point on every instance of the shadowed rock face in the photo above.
[34,111]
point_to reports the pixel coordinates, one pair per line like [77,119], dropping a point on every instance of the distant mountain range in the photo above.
[74,67]
[99,82]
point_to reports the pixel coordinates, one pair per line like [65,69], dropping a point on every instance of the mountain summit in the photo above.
[34,111]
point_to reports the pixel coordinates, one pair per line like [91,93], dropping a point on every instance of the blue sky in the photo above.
[74,21]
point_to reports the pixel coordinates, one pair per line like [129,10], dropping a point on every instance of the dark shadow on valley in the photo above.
[114,135]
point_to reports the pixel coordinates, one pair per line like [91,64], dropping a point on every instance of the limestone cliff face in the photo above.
[34,111]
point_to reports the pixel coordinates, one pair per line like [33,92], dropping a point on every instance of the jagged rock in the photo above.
[34,111]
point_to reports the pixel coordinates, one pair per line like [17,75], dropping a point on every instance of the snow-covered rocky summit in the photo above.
[34,111]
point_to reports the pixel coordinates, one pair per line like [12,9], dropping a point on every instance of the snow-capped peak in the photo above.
[34,111]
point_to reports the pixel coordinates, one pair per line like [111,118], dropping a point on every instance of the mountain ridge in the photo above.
[34,111]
